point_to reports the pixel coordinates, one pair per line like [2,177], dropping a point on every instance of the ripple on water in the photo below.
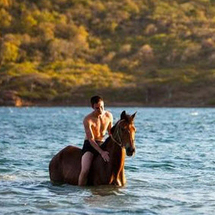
[172,171]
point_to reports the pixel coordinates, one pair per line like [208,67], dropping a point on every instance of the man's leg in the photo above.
[85,167]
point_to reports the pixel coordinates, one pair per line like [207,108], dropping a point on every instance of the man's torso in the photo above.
[99,125]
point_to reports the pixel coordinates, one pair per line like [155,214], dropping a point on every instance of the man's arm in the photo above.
[110,125]
[90,137]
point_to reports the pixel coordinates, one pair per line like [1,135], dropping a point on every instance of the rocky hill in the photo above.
[132,52]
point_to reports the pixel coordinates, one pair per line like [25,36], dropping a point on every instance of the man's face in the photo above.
[99,107]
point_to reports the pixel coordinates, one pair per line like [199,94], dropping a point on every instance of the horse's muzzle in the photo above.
[130,151]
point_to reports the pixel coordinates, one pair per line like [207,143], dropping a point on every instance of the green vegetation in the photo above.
[132,51]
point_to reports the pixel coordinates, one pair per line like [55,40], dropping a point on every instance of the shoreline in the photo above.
[108,104]
[11,99]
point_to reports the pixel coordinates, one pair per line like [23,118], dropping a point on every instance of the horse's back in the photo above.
[65,166]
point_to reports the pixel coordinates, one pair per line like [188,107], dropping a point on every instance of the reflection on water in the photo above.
[105,196]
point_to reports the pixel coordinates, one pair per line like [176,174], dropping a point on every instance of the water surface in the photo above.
[172,172]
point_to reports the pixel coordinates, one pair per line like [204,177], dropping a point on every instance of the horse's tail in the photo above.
[55,170]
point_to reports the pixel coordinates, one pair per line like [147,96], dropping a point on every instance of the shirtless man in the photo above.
[95,124]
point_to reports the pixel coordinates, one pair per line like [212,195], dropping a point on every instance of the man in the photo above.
[95,124]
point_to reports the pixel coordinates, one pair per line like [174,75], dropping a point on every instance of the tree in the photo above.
[5,18]
[9,49]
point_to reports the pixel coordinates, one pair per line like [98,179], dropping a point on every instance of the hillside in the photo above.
[132,52]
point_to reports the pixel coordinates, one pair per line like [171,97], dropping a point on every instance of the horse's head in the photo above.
[123,133]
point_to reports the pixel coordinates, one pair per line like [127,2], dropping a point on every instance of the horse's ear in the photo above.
[123,115]
[133,116]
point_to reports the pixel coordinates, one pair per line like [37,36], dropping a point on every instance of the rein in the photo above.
[117,132]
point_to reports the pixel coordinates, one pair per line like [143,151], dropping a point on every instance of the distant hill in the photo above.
[132,52]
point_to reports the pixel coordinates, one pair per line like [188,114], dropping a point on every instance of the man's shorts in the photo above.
[88,148]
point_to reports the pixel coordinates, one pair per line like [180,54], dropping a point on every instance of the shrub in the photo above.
[8,52]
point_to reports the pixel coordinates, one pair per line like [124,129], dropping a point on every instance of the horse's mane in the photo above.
[104,145]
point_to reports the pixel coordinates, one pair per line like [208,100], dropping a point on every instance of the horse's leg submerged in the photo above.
[65,166]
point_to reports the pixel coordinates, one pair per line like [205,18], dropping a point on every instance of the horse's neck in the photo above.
[117,155]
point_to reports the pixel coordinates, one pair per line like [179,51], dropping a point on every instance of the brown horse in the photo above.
[65,166]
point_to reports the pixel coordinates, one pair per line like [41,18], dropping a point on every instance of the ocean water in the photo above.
[172,172]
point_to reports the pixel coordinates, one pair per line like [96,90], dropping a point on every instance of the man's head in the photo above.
[97,104]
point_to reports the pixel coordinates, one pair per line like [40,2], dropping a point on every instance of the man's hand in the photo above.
[105,156]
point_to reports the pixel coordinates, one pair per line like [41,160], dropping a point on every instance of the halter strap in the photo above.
[119,144]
